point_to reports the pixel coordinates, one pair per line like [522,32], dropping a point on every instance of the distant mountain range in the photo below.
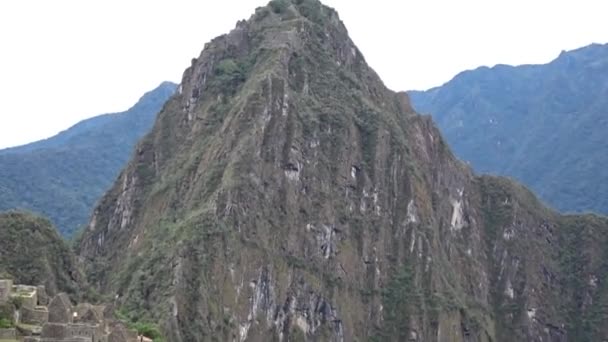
[545,125]
[63,177]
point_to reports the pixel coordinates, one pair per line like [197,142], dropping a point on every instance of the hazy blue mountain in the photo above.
[545,125]
[62,177]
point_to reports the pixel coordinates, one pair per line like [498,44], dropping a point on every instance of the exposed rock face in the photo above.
[286,194]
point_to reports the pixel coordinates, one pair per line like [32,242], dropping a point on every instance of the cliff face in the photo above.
[286,194]
[33,253]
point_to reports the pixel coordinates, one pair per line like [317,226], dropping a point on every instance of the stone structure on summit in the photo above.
[35,318]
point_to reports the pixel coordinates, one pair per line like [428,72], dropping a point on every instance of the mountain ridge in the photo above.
[62,177]
[510,121]
[63,137]
[564,55]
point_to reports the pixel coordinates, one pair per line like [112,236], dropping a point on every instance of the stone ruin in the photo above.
[6,287]
[60,309]
[38,319]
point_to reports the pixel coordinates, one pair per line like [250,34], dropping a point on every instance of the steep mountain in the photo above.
[63,177]
[544,125]
[285,194]
[33,253]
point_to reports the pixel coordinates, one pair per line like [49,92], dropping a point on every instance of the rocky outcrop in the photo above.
[286,194]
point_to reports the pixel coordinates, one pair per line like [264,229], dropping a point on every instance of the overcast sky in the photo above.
[62,61]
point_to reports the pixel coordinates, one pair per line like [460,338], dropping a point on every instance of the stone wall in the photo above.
[29,301]
[8,334]
[94,332]
[60,309]
[55,331]
[121,334]
[60,328]
[5,290]
[43,298]
[27,294]
[37,316]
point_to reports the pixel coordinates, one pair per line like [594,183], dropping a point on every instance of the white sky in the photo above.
[65,60]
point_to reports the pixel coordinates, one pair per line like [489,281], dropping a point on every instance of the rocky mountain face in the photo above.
[64,176]
[544,125]
[32,252]
[285,194]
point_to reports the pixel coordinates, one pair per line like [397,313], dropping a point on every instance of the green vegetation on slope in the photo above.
[7,315]
[143,328]
[63,177]
[33,253]
[569,263]
[399,299]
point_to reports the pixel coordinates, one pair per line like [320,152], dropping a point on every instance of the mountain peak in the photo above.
[286,38]
[166,85]
[286,194]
